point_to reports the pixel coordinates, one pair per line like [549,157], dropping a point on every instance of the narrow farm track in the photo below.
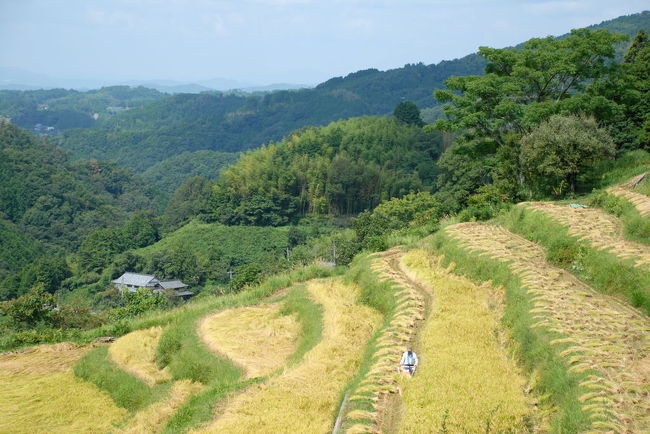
[304,398]
[257,338]
[135,353]
[40,393]
[605,337]
[603,231]
[382,378]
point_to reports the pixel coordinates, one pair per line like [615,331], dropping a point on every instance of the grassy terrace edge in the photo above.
[555,387]
[181,346]
[599,269]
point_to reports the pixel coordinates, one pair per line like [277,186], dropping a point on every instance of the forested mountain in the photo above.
[58,202]
[144,136]
[55,110]
[169,174]
[341,169]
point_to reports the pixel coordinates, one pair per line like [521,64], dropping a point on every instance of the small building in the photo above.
[133,282]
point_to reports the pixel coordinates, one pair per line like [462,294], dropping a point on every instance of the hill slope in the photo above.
[144,136]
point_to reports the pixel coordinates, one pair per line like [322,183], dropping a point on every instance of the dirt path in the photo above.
[376,393]
[603,334]
[603,231]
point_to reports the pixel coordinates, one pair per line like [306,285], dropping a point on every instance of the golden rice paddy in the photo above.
[466,379]
[40,393]
[603,231]
[600,333]
[135,353]
[257,338]
[305,397]
[153,418]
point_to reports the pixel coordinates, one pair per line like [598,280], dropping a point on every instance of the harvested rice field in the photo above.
[257,338]
[135,353]
[153,418]
[601,230]
[304,398]
[40,393]
[599,336]
[371,399]
[467,380]
[640,201]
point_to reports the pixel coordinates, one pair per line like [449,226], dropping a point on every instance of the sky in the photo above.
[271,41]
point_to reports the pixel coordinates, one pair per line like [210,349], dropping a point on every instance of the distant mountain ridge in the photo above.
[143,136]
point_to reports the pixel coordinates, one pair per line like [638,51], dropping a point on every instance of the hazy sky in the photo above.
[264,41]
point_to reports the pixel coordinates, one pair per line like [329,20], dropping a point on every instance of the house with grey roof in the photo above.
[132,282]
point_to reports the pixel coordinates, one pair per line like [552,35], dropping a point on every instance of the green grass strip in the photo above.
[310,318]
[126,391]
[635,226]
[561,388]
[600,269]
[180,348]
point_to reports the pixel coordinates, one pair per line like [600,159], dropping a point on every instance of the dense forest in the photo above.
[55,110]
[342,169]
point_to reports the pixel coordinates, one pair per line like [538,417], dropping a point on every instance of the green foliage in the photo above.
[600,269]
[247,275]
[18,251]
[50,271]
[340,169]
[64,109]
[32,308]
[414,208]
[190,200]
[485,204]
[555,384]
[408,113]
[136,303]
[101,246]
[57,202]
[169,174]
[558,151]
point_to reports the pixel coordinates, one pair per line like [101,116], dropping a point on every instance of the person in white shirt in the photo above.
[409,362]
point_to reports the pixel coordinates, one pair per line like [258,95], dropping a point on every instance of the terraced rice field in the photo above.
[257,338]
[304,398]
[153,418]
[382,378]
[40,393]
[468,381]
[135,353]
[601,230]
[602,337]
[640,201]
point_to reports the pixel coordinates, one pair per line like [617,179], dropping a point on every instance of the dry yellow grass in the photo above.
[382,377]
[603,231]
[41,394]
[640,201]
[304,399]
[464,372]
[153,418]
[603,334]
[257,338]
[136,354]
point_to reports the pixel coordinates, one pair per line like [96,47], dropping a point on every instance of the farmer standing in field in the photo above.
[409,362]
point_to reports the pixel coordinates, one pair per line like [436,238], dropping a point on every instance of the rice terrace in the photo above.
[228,227]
